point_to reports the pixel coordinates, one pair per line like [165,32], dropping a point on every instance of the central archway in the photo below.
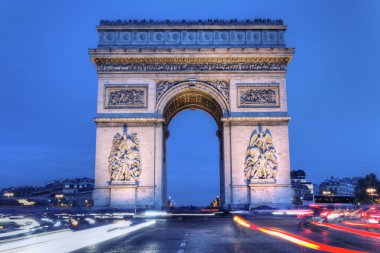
[194,95]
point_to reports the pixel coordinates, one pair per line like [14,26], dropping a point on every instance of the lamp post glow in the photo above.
[371,192]
[9,194]
[326,193]
[59,197]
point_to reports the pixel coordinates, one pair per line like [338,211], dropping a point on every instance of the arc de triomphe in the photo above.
[148,71]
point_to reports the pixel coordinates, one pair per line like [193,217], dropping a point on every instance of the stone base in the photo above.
[273,195]
[131,183]
[125,196]
[263,181]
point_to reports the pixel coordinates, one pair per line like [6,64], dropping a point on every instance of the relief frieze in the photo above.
[191,67]
[258,96]
[125,96]
[221,86]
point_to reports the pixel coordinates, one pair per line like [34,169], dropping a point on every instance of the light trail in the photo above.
[155,214]
[72,240]
[360,224]
[347,229]
[299,240]
[297,212]
[26,225]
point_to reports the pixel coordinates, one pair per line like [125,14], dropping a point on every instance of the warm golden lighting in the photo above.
[9,194]
[371,191]
[293,238]
[26,202]
[290,238]
[241,222]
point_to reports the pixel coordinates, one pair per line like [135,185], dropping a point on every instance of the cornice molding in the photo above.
[188,60]
[190,64]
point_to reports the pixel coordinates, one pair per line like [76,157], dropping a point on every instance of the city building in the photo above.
[302,190]
[75,192]
[336,186]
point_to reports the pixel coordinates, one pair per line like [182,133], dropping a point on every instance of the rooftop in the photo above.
[208,22]
[211,33]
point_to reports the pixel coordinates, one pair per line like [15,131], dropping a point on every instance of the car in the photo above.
[371,215]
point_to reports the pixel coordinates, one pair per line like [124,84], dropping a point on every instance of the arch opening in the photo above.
[198,100]
[192,100]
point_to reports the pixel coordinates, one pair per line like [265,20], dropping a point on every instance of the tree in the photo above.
[369,181]
[294,174]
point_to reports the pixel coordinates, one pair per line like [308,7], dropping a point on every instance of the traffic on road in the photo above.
[318,227]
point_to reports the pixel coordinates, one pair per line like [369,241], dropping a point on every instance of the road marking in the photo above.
[182,245]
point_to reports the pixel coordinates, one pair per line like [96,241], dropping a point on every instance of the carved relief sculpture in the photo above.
[124,161]
[221,86]
[124,97]
[261,160]
[259,96]
[201,67]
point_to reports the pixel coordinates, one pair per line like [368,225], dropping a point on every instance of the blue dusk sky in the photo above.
[49,89]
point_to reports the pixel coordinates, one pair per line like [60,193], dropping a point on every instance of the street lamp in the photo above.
[9,194]
[371,192]
[59,197]
[326,192]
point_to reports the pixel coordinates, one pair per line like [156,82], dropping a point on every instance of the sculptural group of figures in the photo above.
[221,86]
[149,67]
[125,158]
[126,97]
[259,96]
[261,160]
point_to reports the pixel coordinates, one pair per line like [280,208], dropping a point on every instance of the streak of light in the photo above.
[291,238]
[347,229]
[242,222]
[26,225]
[70,241]
[360,224]
[298,212]
[155,213]
[299,240]
[165,214]
[90,221]
[193,214]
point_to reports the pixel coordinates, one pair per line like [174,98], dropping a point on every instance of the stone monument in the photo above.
[148,71]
